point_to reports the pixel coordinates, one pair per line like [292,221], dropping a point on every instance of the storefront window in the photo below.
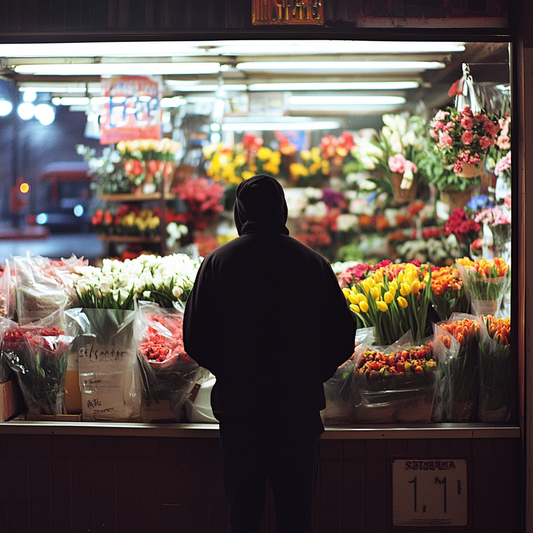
[399,174]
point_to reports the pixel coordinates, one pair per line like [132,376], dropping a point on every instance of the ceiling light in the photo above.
[117,69]
[335,86]
[71,100]
[5,107]
[277,124]
[345,100]
[214,48]
[340,65]
[26,110]
[175,101]
[45,114]
[195,86]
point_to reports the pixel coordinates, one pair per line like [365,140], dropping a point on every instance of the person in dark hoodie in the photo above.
[267,317]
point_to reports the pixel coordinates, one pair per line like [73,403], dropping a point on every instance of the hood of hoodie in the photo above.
[260,206]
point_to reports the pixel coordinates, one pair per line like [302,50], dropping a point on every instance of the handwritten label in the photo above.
[109,383]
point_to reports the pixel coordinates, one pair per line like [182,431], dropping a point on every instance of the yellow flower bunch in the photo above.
[142,223]
[394,299]
[148,149]
[231,166]
[312,166]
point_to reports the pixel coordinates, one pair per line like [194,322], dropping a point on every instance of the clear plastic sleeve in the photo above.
[168,373]
[37,353]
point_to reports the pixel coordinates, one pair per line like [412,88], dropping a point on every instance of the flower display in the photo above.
[396,149]
[117,284]
[458,372]
[128,219]
[37,353]
[231,165]
[496,371]
[311,169]
[393,300]
[447,292]
[486,281]
[463,136]
[203,200]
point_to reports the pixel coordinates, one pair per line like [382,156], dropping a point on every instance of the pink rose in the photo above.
[449,126]
[433,133]
[467,123]
[467,137]
[441,115]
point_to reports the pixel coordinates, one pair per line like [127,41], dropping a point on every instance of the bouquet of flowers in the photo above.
[396,385]
[166,281]
[393,300]
[456,348]
[168,373]
[463,226]
[203,201]
[498,220]
[230,165]
[447,292]
[338,392]
[38,355]
[394,153]
[463,137]
[487,281]
[496,371]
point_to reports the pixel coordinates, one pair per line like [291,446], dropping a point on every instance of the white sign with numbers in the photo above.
[429,493]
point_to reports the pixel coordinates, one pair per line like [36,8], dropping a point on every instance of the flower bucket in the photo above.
[470,170]
[403,195]
[456,199]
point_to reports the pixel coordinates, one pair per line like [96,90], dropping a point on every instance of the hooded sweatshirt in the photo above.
[267,317]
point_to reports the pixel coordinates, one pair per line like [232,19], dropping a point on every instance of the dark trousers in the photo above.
[288,460]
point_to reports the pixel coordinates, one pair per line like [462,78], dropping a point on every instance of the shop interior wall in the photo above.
[69,484]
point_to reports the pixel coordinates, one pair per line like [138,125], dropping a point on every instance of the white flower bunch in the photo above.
[117,284]
[347,222]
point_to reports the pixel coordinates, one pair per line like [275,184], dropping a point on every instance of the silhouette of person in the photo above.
[267,317]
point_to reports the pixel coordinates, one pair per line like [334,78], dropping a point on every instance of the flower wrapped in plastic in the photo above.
[339,392]
[395,385]
[168,373]
[38,354]
[456,350]
[487,282]
[496,369]
[394,300]
[447,292]
[43,285]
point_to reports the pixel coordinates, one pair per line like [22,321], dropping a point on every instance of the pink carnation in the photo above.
[467,137]
[485,142]
[467,123]
[491,128]
[466,112]
[503,164]
[441,115]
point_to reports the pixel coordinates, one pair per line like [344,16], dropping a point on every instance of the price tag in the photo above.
[430,493]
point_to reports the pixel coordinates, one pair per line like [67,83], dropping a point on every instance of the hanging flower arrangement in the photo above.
[463,137]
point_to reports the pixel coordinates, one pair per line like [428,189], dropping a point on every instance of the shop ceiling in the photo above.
[300,70]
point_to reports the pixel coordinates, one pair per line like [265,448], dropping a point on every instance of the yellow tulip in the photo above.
[354,308]
[394,285]
[375,292]
[363,306]
[353,298]
[402,302]
[415,286]
[346,292]
[366,286]
[382,306]
[361,298]
[371,282]
[378,276]
[388,297]
[405,289]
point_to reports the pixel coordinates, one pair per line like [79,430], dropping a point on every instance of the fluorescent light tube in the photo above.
[281,126]
[117,69]
[340,65]
[335,86]
[345,100]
